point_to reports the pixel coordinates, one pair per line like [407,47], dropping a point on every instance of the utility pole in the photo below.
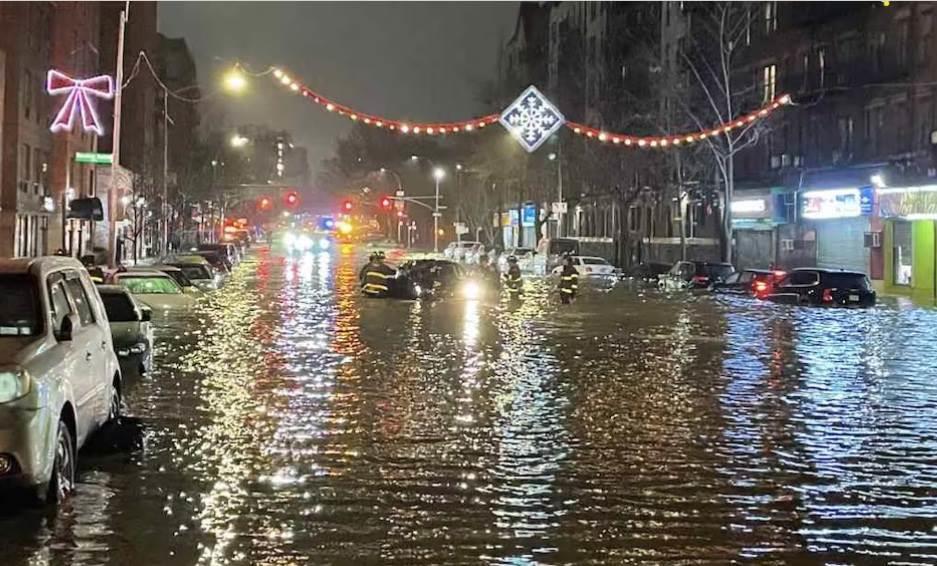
[164,233]
[115,150]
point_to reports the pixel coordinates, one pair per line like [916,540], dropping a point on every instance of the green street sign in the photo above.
[94,158]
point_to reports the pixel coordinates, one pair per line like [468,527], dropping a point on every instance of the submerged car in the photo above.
[824,287]
[154,289]
[200,273]
[694,275]
[645,274]
[130,328]
[589,266]
[179,276]
[59,377]
[429,278]
[753,282]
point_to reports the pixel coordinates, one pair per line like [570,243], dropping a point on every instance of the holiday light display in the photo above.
[531,119]
[80,101]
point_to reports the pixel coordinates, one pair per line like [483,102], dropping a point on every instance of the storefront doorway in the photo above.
[902,253]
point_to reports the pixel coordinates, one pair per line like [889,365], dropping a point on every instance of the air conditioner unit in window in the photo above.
[785,160]
[787,245]
[873,239]
[775,161]
[798,161]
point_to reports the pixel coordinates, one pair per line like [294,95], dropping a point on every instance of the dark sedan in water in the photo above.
[824,287]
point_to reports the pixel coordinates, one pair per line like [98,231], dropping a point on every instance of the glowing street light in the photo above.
[439,174]
[239,141]
[235,81]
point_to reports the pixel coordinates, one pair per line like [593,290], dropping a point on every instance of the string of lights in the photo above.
[678,139]
[401,126]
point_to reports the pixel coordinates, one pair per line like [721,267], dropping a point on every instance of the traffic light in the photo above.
[347,206]
[291,199]
[386,203]
[265,203]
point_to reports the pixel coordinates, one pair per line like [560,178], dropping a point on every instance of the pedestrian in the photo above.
[375,276]
[569,281]
[513,279]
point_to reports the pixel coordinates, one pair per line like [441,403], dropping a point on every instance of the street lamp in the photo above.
[238,140]
[235,81]
[438,174]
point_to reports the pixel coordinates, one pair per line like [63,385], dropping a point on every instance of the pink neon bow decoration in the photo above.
[80,92]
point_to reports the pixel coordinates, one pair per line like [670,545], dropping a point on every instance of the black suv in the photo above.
[825,287]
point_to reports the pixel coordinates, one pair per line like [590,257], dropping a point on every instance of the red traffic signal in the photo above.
[386,203]
[265,203]
[347,206]
[291,199]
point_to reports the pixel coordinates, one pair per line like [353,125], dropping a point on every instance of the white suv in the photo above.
[59,376]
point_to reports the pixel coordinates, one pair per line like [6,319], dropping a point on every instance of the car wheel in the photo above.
[62,482]
[113,410]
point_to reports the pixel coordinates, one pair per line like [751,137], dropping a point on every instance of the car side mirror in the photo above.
[69,324]
[146,315]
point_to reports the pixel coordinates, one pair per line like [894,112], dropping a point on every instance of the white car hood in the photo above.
[167,301]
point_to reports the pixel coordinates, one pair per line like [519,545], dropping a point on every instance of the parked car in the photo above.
[555,249]
[456,251]
[429,278]
[525,259]
[754,282]
[694,275]
[59,376]
[200,272]
[646,273]
[179,277]
[130,329]
[825,287]
[473,254]
[154,289]
[229,250]
[219,261]
[589,266]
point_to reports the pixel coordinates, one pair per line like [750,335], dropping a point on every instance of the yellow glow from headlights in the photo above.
[344,227]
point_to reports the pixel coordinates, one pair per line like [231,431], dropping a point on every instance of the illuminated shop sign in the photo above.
[749,206]
[837,203]
[910,203]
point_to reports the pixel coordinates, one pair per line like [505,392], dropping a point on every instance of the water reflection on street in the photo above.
[290,421]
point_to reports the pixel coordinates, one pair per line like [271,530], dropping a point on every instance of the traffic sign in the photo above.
[560,207]
[461,228]
[94,158]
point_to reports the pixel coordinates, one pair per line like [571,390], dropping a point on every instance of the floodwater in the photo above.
[290,421]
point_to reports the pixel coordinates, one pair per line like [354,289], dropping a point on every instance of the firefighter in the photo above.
[569,282]
[375,276]
[513,279]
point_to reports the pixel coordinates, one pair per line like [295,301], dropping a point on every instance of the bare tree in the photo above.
[719,89]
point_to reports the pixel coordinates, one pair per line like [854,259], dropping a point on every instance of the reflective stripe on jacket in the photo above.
[569,280]
[375,278]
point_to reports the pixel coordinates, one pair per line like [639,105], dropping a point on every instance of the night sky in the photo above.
[410,60]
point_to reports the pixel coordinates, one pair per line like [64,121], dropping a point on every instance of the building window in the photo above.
[28,97]
[901,44]
[845,126]
[667,14]
[873,129]
[27,163]
[771,17]
[634,219]
[821,66]
[769,82]
[748,25]
[924,41]
[877,52]
[925,117]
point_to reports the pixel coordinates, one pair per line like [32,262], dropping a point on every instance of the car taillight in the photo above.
[827,295]
[700,279]
[778,275]
[760,287]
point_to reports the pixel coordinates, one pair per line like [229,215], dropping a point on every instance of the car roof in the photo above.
[764,271]
[164,267]
[41,265]
[827,270]
[186,259]
[588,257]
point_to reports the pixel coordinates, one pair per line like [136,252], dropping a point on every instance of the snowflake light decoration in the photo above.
[532,119]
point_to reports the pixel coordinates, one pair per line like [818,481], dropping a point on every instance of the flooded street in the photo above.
[290,421]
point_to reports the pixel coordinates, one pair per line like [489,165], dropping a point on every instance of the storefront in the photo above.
[840,220]
[755,217]
[909,239]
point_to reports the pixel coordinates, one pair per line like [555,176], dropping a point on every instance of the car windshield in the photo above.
[119,307]
[150,285]
[19,306]
[717,271]
[179,277]
[847,281]
[195,271]
[593,261]
[561,247]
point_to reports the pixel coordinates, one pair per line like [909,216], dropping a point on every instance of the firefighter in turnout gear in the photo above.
[512,278]
[569,281]
[375,276]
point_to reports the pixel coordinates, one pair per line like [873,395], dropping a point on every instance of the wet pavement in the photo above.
[289,421]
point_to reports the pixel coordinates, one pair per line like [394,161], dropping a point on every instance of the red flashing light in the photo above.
[291,199]
[347,206]
[386,203]
[265,203]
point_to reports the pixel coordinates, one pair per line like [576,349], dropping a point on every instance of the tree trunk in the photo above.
[729,185]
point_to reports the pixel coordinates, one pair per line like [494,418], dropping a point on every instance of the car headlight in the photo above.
[323,244]
[472,290]
[14,384]
[289,239]
[418,290]
[304,243]
[138,348]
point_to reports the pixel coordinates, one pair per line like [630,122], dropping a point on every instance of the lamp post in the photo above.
[115,143]
[438,174]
